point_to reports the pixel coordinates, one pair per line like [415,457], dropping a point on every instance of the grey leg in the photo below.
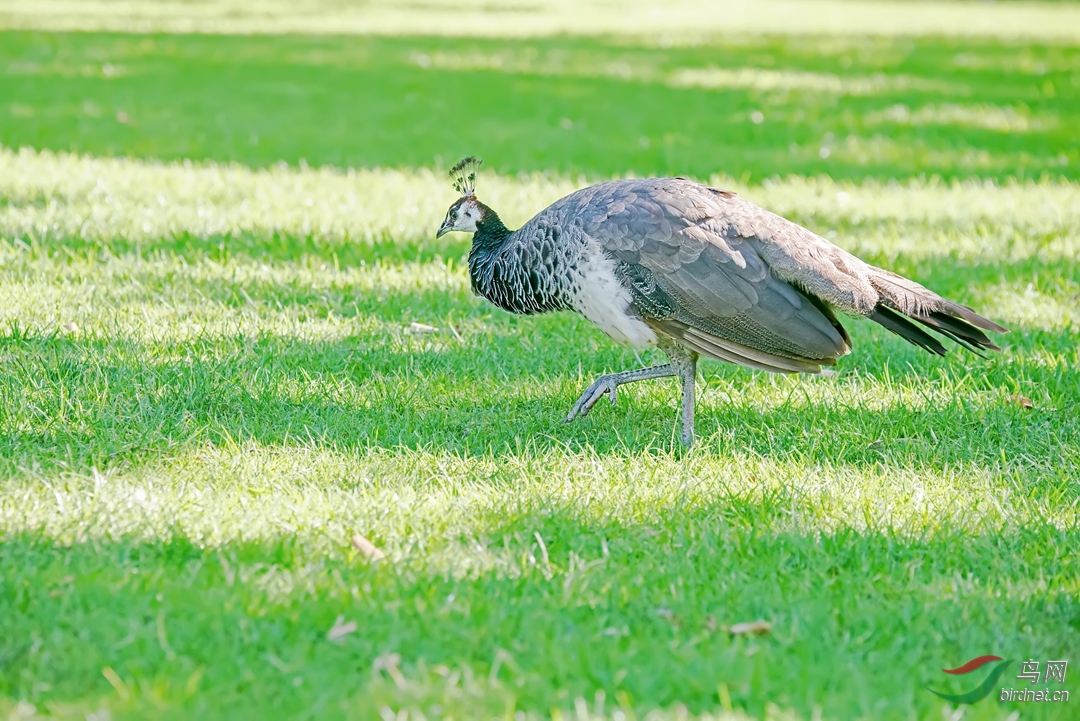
[606,385]
[683,365]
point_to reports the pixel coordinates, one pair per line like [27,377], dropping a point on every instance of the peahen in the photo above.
[696,271]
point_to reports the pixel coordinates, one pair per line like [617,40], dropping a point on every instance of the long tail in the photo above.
[903,301]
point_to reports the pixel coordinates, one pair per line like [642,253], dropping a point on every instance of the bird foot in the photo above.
[601,386]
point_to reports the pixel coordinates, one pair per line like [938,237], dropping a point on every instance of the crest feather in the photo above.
[464,176]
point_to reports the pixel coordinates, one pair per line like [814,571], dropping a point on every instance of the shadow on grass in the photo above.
[278,247]
[950,276]
[101,402]
[862,621]
[78,405]
[393,102]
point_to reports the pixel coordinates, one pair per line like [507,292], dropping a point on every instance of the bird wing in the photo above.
[696,261]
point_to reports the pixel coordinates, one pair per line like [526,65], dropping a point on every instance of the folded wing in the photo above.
[695,275]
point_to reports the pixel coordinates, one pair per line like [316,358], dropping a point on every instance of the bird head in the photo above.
[466,212]
[463,215]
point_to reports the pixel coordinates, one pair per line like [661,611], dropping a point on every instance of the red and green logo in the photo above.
[983,689]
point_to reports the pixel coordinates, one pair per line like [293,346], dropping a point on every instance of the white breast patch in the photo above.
[600,297]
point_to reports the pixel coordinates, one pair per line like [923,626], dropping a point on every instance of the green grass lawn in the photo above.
[850,107]
[229,342]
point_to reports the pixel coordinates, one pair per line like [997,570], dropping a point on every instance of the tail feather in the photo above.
[900,297]
[960,331]
[888,318]
[963,312]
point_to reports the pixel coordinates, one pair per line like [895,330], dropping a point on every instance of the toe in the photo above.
[594,397]
[575,411]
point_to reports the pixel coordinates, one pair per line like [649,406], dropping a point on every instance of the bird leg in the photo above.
[607,384]
[683,365]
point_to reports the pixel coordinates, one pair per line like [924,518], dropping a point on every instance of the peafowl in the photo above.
[695,271]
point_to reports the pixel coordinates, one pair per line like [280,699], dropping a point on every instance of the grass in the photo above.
[852,108]
[215,371]
[672,22]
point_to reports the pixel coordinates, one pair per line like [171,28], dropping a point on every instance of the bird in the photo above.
[697,272]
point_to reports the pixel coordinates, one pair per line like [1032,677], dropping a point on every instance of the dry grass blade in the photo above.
[415,327]
[341,629]
[367,548]
[750,628]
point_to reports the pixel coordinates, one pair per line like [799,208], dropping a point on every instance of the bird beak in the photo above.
[446,228]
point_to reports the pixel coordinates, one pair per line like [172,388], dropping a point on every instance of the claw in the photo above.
[604,385]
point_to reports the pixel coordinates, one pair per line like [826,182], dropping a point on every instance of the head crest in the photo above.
[464,176]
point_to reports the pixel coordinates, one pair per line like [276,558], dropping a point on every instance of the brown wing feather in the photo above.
[701,281]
